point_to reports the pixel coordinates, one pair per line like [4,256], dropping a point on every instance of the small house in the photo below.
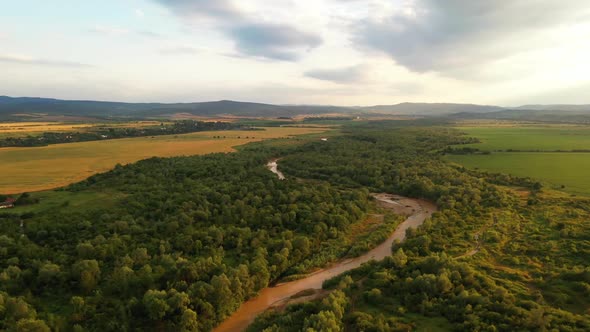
[8,203]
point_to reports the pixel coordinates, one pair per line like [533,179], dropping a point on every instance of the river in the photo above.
[273,166]
[418,211]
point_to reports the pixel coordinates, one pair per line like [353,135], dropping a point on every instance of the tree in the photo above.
[188,321]
[88,274]
[155,304]
[399,258]
[324,321]
[31,325]
[49,273]
[222,295]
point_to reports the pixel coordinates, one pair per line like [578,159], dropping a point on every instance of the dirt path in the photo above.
[469,253]
[418,211]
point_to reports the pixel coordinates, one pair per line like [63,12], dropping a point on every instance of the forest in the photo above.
[194,237]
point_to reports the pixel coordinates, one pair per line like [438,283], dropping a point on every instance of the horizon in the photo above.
[288,104]
[329,53]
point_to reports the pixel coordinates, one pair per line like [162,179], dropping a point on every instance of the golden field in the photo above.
[41,168]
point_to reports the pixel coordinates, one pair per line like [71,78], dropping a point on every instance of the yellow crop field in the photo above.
[41,168]
[27,128]
[31,127]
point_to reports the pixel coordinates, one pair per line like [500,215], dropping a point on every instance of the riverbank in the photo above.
[419,211]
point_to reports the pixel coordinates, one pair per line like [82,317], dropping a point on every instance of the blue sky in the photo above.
[345,52]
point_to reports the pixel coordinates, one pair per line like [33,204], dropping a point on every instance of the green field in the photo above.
[529,151]
[552,168]
[549,138]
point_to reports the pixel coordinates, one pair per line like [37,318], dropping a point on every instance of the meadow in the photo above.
[554,169]
[512,152]
[521,137]
[47,167]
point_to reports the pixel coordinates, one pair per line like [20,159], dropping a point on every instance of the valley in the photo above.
[220,242]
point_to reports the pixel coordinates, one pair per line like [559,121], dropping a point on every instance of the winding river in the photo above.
[417,211]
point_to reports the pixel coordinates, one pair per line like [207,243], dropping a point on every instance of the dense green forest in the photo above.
[492,259]
[191,240]
[194,237]
[102,133]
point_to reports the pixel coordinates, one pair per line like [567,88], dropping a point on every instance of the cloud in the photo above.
[354,74]
[254,38]
[139,13]
[118,31]
[181,50]
[273,41]
[109,30]
[149,34]
[217,9]
[446,36]
[26,60]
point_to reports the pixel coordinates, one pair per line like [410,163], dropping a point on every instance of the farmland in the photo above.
[530,151]
[33,128]
[527,138]
[555,169]
[40,168]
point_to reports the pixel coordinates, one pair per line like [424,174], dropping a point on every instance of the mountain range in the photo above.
[12,108]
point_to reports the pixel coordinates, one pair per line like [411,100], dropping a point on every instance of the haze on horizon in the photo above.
[340,52]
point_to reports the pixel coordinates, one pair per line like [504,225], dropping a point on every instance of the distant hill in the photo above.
[27,105]
[529,115]
[556,107]
[429,109]
[10,106]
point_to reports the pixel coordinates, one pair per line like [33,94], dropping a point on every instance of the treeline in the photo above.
[97,134]
[328,118]
[464,151]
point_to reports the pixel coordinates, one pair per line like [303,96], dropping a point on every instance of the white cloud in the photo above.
[308,51]
[459,35]
[110,30]
[28,60]
[182,50]
[253,37]
[346,75]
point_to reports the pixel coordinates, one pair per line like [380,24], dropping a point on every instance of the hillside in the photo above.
[430,108]
[529,115]
[14,108]
[10,106]
[23,107]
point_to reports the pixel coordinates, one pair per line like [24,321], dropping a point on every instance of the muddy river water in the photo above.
[417,211]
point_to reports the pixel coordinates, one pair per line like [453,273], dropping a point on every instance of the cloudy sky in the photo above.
[342,52]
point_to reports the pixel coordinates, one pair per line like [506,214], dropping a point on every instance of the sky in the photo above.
[336,52]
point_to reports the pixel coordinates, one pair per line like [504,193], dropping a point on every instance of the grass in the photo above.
[548,138]
[558,170]
[54,199]
[553,168]
[42,168]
